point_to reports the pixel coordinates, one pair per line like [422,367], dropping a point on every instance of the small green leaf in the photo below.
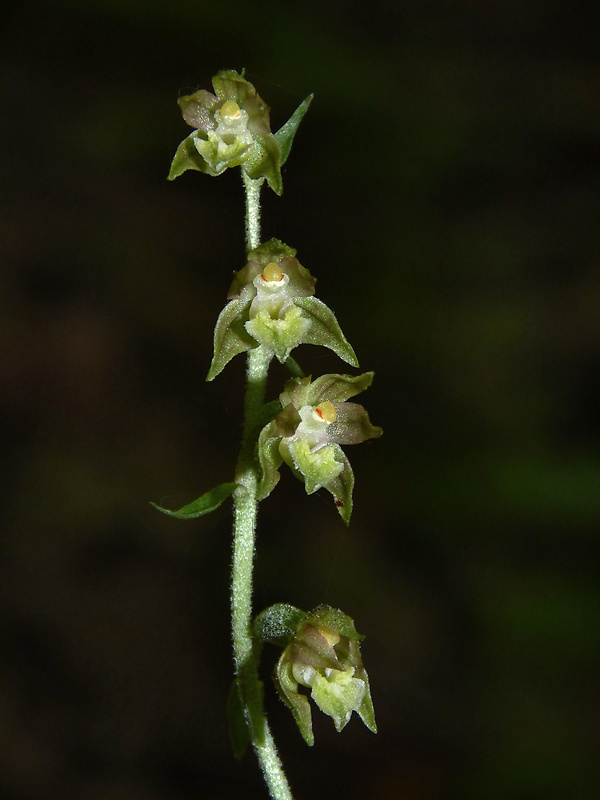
[238,727]
[203,505]
[285,134]
[325,330]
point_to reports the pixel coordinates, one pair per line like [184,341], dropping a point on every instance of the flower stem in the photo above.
[245,507]
[252,188]
[270,763]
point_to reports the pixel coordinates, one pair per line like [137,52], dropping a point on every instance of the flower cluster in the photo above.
[323,656]
[314,421]
[232,129]
[271,304]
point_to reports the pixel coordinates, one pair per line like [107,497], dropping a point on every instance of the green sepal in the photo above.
[324,329]
[231,85]
[334,618]
[239,734]
[287,687]
[342,485]
[366,711]
[270,459]
[353,425]
[208,502]
[273,250]
[198,109]
[230,336]
[277,624]
[285,134]
[187,157]
[264,161]
[334,387]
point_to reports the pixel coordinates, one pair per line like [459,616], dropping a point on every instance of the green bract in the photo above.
[271,304]
[323,655]
[232,129]
[315,420]
[206,503]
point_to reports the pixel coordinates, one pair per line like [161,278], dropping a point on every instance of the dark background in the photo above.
[444,189]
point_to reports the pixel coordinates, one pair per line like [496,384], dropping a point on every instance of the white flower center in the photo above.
[232,124]
[272,295]
[313,427]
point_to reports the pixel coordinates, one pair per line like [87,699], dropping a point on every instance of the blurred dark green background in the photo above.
[445,190]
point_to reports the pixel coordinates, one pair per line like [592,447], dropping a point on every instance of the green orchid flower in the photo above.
[322,655]
[271,304]
[232,129]
[314,421]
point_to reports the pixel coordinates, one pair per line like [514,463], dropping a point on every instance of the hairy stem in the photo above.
[270,763]
[245,509]
[245,506]
[252,188]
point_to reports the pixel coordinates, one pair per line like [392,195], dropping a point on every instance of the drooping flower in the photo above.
[322,655]
[314,421]
[271,304]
